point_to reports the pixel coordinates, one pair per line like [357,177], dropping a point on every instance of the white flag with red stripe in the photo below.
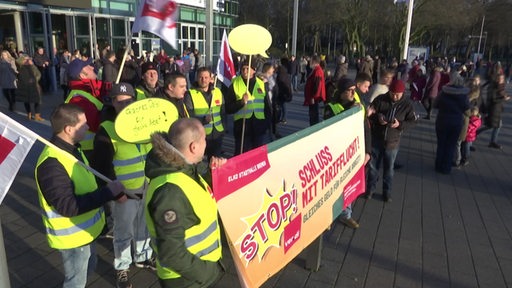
[15,143]
[159,18]
[225,66]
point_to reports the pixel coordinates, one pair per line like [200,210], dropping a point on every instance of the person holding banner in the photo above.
[118,159]
[344,99]
[392,114]
[149,86]
[175,86]
[250,108]
[181,212]
[206,103]
[70,199]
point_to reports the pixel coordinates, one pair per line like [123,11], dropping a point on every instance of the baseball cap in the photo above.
[122,88]
[75,68]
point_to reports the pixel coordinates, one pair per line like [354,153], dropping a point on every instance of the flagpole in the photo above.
[4,272]
[48,143]
[408,29]
[245,106]
[124,60]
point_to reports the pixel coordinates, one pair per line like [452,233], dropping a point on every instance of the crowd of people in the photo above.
[159,192]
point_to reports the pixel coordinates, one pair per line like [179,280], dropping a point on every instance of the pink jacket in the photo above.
[474,124]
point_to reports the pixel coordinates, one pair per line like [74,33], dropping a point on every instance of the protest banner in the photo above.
[137,121]
[276,199]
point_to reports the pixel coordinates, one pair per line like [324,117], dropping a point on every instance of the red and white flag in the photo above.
[225,66]
[15,143]
[159,18]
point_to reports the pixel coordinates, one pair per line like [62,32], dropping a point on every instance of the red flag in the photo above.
[15,143]
[225,67]
[158,17]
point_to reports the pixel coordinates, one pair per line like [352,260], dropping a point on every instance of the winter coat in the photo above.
[8,76]
[315,87]
[452,103]
[170,237]
[474,123]
[496,99]
[402,110]
[29,90]
[432,87]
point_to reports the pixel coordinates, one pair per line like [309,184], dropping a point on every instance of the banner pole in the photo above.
[4,271]
[48,143]
[245,107]
[123,61]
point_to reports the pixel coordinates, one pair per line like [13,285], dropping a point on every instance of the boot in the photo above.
[38,117]
[29,116]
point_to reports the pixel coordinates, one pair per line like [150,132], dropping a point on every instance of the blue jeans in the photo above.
[78,263]
[386,156]
[294,79]
[466,150]
[130,226]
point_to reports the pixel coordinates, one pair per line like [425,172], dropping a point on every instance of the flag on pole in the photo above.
[225,66]
[15,144]
[159,18]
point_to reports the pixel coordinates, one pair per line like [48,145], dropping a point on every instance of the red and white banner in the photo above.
[159,18]
[225,66]
[15,143]
[277,199]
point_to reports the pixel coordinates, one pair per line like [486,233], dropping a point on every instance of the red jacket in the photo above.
[91,112]
[315,87]
[474,124]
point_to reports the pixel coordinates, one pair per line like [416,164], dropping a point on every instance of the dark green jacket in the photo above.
[170,243]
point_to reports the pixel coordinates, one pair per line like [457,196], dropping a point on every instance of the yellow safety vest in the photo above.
[201,109]
[358,100]
[70,232]
[337,108]
[129,159]
[140,94]
[88,142]
[202,240]
[255,106]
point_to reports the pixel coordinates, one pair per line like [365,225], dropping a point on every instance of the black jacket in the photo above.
[58,188]
[402,110]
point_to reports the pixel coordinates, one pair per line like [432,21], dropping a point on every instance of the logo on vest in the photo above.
[170,216]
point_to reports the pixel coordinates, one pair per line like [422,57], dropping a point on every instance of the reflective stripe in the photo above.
[208,249]
[129,176]
[126,162]
[189,242]
[77,227]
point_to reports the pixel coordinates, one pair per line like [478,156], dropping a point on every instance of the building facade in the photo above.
[91,25]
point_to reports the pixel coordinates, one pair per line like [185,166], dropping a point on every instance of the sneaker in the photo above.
[388,199]
[350,223]
[122,280]
[148,264]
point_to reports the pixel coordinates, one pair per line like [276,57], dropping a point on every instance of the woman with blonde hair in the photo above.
[8,80]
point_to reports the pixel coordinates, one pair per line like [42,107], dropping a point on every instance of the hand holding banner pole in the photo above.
[249,39]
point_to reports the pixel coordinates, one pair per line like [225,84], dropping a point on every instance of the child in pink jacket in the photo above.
[474,123]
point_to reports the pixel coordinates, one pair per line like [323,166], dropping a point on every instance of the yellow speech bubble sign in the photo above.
[137,121]
[250,39]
